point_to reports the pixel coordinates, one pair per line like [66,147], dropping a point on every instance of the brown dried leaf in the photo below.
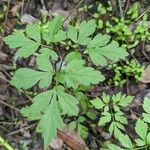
[26,18]
[3,57]
[57,144]
[146,76]
[16,8]
[70,138]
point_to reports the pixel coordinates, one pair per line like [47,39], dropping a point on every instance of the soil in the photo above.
[15,128]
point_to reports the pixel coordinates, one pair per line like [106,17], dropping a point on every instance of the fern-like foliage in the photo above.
[141,142]
[72,72]
[111,112]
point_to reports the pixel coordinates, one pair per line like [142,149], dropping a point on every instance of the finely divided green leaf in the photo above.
[68,103]
[75,74]
[47,108]
[50,122]
[26,46]
[119,116]
[40,103]
[16,40]
[99,40]
[146,105]
[146,117]
[106,117]
[141,129]
[99,50]
[81,35]
[72,34]
[148,139]
[140,142]
[33,32]
[26,78]
[122,100]
[125,141]
[43,60]
[53,55]
[98,103]
[85,30]
[54,34]
[106,98]
[72,56]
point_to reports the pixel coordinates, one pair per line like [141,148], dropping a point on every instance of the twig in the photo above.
[22,11]
[1,68]
[20,130]
[143,46]
[120,9]
[128,89]
[148,9]
[4,79]
[126,7]
[43,5]
[74,10]
[8,105]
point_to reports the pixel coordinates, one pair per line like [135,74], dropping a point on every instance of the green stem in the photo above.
[5,144]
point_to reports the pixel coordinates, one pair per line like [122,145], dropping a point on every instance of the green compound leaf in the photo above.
[125,140]
[40,103]
[47,107]
[72,56]
[141,129]
[106,117]
[81,35]
[146,107]
[98,103]
[139,142]
[33,32]
[75,74]
[122,100]
[54,33]
[106,98]
[72,34]
[115,127]
[26,78]
[68,103]
[52,54]
[99,50]
[43,59]
[25,45]
[85,30]
[148,139]
[119,116]
[50,122]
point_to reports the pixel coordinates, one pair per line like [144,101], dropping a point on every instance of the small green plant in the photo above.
[111,111]
[142,130]
[60,73]
[128,31]
[131,69]
[85,8]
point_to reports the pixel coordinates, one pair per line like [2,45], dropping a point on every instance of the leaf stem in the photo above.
[5,144]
